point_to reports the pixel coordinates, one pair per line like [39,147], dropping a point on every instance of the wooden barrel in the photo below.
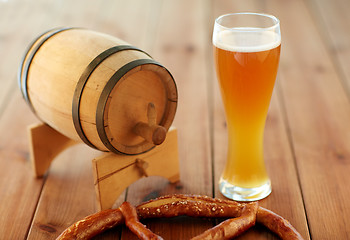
[98,89]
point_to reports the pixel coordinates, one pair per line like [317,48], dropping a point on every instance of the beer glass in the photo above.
[246,55]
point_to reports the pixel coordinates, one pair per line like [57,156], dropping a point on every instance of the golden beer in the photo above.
[246,63]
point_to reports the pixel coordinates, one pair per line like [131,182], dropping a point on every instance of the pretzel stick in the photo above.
[93,225]
[232,227]
[133,223]
[277,224]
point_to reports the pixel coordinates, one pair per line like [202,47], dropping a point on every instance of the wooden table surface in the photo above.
[307,134]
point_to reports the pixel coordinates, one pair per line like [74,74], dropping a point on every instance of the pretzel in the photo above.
[232,227]
[189,205]
[277,224]
[132,222]
[243,217]
[93,225]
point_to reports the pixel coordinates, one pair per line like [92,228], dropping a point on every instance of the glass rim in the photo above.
[276,22]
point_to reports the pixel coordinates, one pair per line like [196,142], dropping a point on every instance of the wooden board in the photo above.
[307,130]
[113,173]
[19,190]
[317,111]
[332,21]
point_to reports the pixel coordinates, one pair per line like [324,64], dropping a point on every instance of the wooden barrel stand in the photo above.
[112,172]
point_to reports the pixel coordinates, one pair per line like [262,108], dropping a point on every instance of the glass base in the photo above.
[244,194]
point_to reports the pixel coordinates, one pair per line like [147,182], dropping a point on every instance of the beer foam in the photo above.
[246,40]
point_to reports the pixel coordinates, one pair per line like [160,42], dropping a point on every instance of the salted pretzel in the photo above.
[241,216]
[132,222]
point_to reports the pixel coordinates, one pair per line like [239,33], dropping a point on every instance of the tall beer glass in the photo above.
[246,52]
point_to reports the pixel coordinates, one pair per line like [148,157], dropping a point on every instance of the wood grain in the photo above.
[332,20]
[45,144]
[318,112]
[11,48]
[19,190]
[69,184]
[113,173]
[307,129]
